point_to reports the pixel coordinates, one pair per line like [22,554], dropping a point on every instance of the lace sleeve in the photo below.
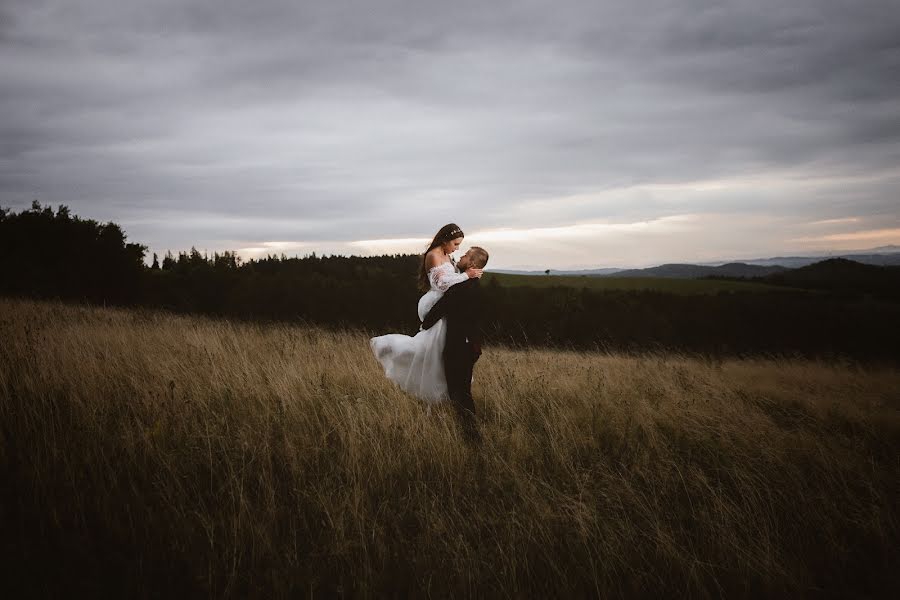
[441,279]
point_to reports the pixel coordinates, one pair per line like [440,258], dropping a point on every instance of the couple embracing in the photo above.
[436,364]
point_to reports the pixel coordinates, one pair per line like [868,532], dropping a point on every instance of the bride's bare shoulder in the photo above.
[433,258]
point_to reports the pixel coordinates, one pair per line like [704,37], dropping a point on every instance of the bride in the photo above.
[416,363]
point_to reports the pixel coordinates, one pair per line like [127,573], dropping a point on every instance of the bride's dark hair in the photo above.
[448,232]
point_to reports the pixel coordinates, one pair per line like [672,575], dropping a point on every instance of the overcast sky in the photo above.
[556,134]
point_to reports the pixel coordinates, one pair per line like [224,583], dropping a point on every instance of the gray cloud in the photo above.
[234,122]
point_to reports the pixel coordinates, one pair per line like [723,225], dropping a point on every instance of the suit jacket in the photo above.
[462,305]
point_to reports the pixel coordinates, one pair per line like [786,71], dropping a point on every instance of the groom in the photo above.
[462,305]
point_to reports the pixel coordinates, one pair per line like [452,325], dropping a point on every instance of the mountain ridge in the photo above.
[753,267]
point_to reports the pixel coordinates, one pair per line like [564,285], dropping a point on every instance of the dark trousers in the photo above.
[458,366]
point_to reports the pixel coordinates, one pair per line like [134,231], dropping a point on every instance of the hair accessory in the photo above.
[454,234]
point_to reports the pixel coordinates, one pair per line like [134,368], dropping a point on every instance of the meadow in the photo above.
[144,454]
[670,285]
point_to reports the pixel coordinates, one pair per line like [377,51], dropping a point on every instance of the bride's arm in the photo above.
[442,280]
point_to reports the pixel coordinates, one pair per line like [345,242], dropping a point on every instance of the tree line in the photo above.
[56,255]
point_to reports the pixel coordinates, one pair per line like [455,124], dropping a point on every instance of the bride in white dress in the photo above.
[415,363]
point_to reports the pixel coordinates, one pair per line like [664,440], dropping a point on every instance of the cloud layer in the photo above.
[592,133]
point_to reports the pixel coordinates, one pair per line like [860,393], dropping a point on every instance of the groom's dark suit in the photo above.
[461,304]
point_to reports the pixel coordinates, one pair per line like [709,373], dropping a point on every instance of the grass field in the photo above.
[144,454]
[685,287]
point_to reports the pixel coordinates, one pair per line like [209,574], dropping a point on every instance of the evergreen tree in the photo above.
[168,262]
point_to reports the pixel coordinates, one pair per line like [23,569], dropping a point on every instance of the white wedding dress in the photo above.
[416,363]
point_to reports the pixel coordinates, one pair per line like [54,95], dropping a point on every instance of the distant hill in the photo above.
[680,286]
[566,273]
[841,274]
[688,271]
[838,275]
[870,257]
[883,256]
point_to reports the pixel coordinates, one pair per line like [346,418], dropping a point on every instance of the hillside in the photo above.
[671,285]
[842,275]
[559,272]
[752,267]
[886,256]
[689,271]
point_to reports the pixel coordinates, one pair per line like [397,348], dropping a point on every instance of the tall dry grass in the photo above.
[145,454]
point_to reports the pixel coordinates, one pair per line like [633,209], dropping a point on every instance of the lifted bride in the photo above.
[416,363]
